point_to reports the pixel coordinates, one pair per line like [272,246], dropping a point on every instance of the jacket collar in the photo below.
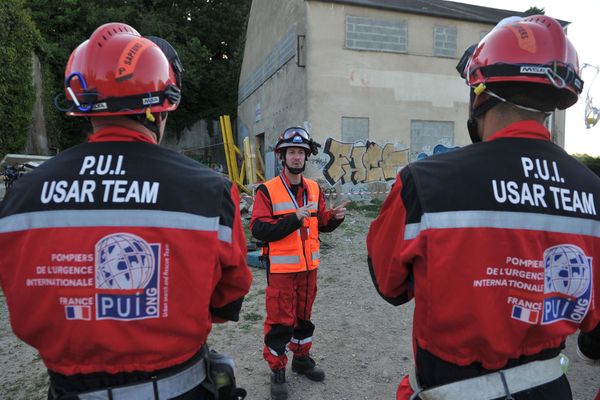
[523,129]
[119,134]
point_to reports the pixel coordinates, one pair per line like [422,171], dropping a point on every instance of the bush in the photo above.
[18,39]
[592,163]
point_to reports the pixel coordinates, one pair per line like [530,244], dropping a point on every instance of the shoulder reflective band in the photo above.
[503,220]
[120,218]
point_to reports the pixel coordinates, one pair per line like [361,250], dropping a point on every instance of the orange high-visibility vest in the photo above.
[292,254]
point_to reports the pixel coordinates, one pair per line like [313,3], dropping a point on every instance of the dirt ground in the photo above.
[362,342]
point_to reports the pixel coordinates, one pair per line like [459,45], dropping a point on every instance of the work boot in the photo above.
[307,366]
[279,388]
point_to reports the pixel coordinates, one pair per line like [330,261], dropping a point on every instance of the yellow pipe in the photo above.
[232,148]
[248,161]
[225,145]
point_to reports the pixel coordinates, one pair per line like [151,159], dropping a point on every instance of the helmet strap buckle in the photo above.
[556,79]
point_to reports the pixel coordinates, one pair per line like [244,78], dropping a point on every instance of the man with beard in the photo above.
[288,214]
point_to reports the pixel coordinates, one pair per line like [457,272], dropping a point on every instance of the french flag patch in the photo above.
[78,312]
[525,315]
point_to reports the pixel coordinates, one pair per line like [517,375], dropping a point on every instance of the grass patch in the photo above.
[246,326]
[369,208]
[373,205]
[253,316]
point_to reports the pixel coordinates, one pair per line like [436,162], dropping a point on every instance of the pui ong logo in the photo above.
[567,283]
[127,271]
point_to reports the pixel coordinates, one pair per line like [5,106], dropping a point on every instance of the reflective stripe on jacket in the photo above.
[292,254]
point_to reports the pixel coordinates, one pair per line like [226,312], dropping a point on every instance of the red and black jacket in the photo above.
[118,255]
[498,242]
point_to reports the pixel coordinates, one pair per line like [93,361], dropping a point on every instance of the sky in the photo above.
[584,33]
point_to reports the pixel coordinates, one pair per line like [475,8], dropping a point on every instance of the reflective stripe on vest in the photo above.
[284,207]
[291,254]
[285,259]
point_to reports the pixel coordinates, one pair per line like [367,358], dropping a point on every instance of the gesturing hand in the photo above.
[339,211]
[303,212]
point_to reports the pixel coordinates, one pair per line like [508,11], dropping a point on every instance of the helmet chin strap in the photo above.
[150,122]
[477,111]
[492,100]
[473,128]
[295,171]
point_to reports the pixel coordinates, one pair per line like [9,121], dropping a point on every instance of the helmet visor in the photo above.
[293,132]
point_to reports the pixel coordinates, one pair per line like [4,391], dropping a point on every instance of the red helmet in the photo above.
[527,50]
[118,72]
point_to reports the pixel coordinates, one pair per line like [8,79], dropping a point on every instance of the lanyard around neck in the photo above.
[291,194]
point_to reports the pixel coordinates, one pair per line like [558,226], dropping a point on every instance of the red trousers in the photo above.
[289,301]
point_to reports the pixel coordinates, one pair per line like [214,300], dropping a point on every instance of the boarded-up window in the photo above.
[444,41]
[376,34]
[355,129]
[425,135]
[283,51]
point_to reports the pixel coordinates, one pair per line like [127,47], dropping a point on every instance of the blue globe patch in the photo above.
[567,270]
[123,261]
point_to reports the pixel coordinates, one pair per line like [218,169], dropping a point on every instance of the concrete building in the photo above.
[374,81]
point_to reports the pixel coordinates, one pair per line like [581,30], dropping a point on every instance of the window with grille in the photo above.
[444,41]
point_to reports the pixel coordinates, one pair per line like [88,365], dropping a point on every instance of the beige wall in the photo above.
[282,97]
[391,89]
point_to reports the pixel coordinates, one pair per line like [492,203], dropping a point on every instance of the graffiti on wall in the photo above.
[360,162]
[438,149]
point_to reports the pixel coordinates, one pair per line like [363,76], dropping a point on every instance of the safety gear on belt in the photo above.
[221,377]
[495,385]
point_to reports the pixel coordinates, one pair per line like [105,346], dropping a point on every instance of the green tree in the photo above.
[592,163]
[64,24]
[535,11]
[18,39]
[205,33]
